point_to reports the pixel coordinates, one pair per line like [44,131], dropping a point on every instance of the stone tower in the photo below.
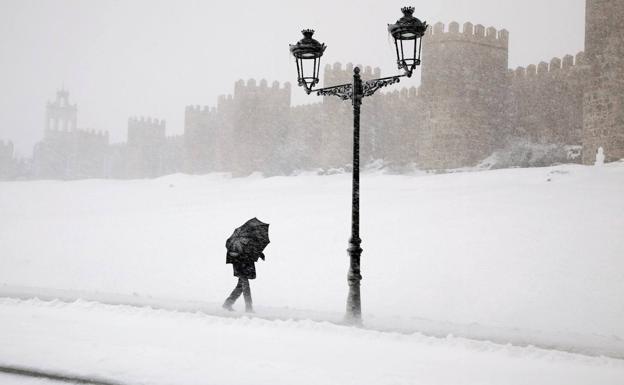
[464,89]
[60,115]
[603,104]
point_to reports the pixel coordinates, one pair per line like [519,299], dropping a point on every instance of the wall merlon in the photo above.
[542,68]
[531,70]
[555,64]
[454,27]
[438,28]
[503,35]
[568,61]
[239,85]
[468,28]
[479,30]
[491,33]
[263,83]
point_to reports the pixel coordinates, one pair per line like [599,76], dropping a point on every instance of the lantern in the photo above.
[307,53]
[407,33]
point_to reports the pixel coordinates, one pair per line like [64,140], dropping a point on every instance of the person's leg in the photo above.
[247,295]
[234,295]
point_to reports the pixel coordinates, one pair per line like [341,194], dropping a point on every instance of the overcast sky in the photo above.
[153,57]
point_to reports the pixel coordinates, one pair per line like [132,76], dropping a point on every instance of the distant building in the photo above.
[67,152]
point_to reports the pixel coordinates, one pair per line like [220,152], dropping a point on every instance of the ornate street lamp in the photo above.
[307,53]
[407,32]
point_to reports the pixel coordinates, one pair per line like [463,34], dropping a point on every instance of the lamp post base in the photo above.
[354,303]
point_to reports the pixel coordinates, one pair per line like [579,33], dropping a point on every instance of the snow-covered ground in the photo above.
[142,346]
[524,252]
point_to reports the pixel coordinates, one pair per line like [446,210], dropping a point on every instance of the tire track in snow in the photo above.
[54,376]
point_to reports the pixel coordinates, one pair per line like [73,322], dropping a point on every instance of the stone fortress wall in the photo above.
[469,105]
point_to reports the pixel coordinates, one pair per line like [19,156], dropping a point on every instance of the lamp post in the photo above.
[407,33]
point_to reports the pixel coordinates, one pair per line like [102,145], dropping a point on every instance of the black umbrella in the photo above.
[248,241]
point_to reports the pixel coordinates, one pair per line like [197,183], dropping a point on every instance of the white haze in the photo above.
[145,57]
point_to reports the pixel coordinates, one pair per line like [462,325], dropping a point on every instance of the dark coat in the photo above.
[244,265]
[246,269]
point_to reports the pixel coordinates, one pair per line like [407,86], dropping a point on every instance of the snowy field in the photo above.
[526,255]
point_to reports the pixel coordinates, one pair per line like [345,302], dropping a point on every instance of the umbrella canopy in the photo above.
[247,242]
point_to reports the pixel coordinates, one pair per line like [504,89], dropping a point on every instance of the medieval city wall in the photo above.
[469,105]
[546,101]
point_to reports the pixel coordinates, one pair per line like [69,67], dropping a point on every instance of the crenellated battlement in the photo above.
[366,71]
[404,94]
[335,74]
[197,109]
[251,87]
[555,66]
[224,101]
[145,130]
[146,122]
[470,33]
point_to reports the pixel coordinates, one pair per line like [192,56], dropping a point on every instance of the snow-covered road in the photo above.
[145,346]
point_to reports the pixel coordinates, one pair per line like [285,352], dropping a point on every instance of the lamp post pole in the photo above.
[354,304]
[356,91]
[407,30]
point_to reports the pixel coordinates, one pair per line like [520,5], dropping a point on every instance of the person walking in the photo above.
[244,267]
[244,248]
